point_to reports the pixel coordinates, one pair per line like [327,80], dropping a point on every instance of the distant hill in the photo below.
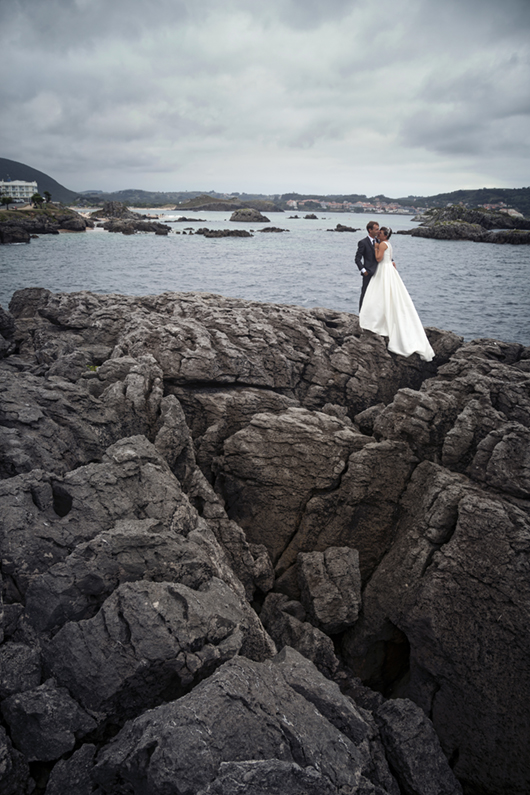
[518,198]
[10,169]
[139,198]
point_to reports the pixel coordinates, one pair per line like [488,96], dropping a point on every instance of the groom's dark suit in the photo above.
[365,258]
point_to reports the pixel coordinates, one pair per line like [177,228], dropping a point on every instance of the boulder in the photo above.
[14,769]
[330,585]
[74,774]
[20,668]
[253,714]
[150,642]
[45,722]
[413,749]
[284,620]
[249,214]
[273,714]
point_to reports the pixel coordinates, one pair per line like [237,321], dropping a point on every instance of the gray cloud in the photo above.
[408,97]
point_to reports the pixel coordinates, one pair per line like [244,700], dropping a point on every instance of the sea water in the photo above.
[474,289]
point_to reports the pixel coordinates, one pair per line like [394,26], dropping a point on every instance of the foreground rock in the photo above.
[191,484]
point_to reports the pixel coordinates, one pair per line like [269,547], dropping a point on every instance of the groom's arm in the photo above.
[359,257]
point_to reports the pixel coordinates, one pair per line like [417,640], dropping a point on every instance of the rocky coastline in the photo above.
[19,226]
[477,225]
[244,548]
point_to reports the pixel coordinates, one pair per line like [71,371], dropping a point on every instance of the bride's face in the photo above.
[381,235]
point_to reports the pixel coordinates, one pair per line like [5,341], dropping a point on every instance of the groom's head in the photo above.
[373,228]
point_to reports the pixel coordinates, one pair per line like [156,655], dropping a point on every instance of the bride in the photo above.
[387,308]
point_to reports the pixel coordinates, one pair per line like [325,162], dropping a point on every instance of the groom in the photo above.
[365,257]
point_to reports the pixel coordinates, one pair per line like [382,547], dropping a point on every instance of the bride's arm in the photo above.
[380,251]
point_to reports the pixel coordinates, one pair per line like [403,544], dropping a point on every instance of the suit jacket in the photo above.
[365,256]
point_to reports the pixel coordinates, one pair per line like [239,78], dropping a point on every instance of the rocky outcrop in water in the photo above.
[245,548]
[480,226]
[19,226]
[205,232]
[118,211]
[130,227]
[343,228]
[249,214]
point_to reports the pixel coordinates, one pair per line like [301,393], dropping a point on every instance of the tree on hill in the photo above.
[6,200]
[37,200]
[47,196]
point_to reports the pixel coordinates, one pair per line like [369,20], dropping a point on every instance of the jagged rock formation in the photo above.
[461,223]
[245,548]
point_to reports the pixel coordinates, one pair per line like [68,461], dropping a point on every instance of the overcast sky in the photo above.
[328,96]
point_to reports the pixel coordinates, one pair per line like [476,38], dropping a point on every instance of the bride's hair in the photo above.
[387,231]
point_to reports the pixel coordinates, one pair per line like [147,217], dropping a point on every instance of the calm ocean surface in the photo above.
[473,289]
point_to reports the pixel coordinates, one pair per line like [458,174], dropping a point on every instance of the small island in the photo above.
[477,225]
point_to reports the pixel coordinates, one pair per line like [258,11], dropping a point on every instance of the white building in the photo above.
[18,189]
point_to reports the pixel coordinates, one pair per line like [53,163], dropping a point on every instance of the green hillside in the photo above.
[10,169]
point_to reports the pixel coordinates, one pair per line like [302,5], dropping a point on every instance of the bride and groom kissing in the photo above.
[385,306]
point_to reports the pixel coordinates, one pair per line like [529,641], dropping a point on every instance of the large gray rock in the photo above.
[249,214]
[14,769]
[44,518]
[413,749]
[150,642]
[266,719]
[130,551]
[45,722]
[20,668]
[285,622]
[73,775]
[330,583]
[270,469]
[267,776]
[246,711]
[439,619]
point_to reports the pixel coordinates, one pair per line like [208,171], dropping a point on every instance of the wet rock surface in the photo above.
[244,548]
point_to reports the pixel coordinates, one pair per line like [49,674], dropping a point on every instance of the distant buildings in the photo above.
[351,207]
[18,189]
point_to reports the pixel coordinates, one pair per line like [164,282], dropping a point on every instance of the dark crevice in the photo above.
[217,386]
[386,664]
[62,501]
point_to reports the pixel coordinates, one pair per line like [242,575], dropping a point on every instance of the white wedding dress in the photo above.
[388,310]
